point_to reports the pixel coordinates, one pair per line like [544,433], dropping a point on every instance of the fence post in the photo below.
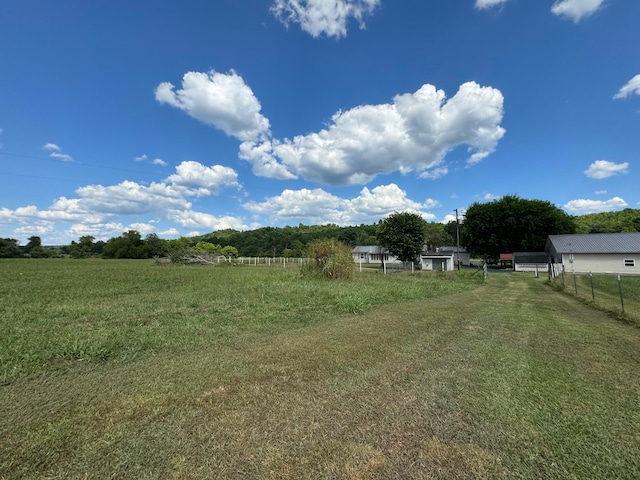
[593,295]
[575,285]
[621,297]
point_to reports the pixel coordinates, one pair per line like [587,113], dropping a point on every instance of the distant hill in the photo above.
[627,220]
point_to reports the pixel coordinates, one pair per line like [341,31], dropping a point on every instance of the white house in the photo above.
[444,258]
[596,252]
[371,254]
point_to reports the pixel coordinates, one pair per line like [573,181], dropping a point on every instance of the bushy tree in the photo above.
[83,248]
[437,235]
[155,244]
[177,249]
[9,248]
[403,235]
[34,248]
[229,252]
[512,224]
[129,245]
[207,248]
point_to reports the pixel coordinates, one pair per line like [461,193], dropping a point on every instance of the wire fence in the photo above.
[282,262]
[616,293]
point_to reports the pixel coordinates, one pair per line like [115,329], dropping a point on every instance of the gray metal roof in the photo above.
[369,249]
[530,257]
[594,243]
[451,249]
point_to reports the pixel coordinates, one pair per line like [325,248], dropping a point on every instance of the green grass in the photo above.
[434,376]
[603,291]
[57,310]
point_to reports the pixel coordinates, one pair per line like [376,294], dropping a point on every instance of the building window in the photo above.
[629,262]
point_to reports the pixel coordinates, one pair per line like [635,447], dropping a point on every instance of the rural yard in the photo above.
[131,369]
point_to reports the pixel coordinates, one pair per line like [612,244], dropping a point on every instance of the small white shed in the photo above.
[437,261]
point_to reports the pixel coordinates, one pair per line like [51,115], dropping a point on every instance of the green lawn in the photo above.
[134,370]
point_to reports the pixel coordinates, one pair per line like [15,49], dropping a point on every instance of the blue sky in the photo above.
[181,118]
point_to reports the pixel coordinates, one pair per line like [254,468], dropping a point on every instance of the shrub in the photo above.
[330,259]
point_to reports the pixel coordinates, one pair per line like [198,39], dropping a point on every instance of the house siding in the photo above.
[441,262]
[601,263]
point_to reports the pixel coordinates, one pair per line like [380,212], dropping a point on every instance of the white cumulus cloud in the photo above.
[197,220]
[219,99]
[434,173]
[51,147]
[576,10]
[632,87]
[413,133]
[96,207]
[583,206]
[200,180]
[319,206]
[142,228]
[61,156]
[56,152]
[323,17]
[604,169]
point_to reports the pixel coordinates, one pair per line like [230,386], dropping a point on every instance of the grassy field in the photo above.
[135,370]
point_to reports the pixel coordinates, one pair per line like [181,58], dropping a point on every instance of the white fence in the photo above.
[531,267]
[272,261]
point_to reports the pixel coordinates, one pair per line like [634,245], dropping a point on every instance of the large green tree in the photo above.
[34,248]
[437,235]
[128,245]
[83,248]
[403,235]
[9,248]
[512,224]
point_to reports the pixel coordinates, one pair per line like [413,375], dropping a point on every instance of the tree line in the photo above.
[509,224]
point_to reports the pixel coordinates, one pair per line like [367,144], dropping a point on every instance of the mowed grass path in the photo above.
[505,380]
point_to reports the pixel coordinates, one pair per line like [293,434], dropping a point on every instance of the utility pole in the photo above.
[457,240]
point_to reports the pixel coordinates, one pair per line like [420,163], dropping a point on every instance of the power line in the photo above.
[41,177]
[82,164]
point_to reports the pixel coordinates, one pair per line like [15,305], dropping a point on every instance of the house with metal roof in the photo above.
[460,254]
[444,258]
[596,252]
[371,254]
